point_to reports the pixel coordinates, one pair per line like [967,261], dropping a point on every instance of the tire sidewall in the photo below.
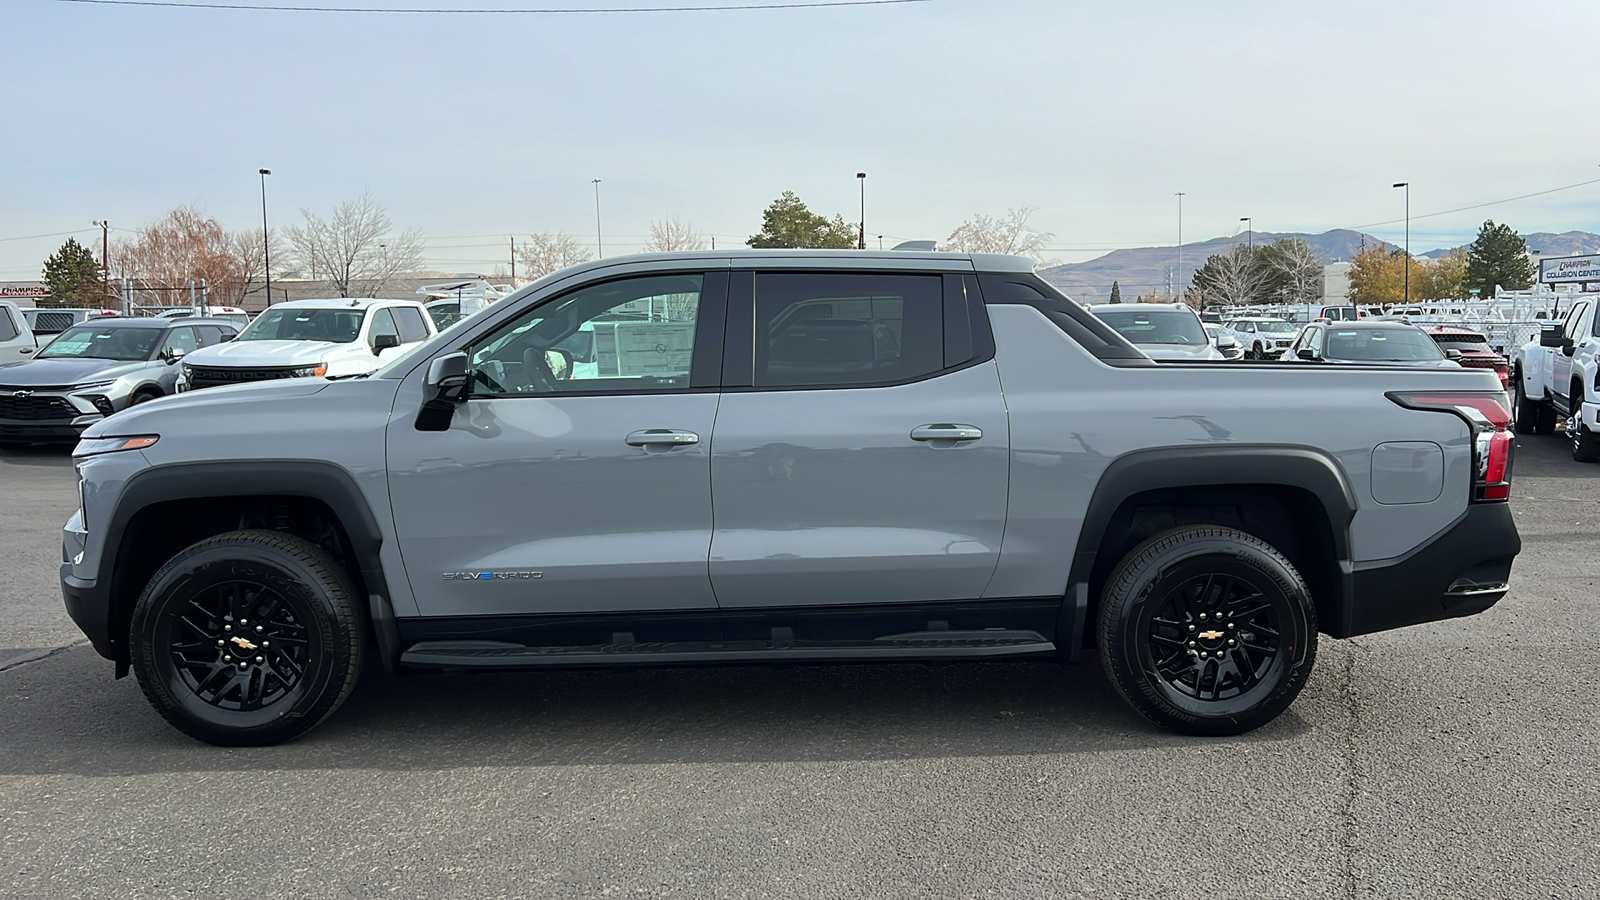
[328,658]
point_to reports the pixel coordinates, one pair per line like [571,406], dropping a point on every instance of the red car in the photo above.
[1473,347]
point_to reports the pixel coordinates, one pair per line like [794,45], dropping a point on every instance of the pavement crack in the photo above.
[1348,839]
[17,662]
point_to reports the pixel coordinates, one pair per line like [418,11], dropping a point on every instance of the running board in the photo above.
[917,645]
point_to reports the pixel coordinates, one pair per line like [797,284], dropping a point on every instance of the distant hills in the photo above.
[1144,270]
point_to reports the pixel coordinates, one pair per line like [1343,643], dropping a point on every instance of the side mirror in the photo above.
[1568,347]
[1550,336]
[172,355]
[382,342]
[560,363]
[1306,353]
[444,388]
[1452,354]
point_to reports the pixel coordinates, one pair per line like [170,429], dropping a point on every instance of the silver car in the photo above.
[95,369]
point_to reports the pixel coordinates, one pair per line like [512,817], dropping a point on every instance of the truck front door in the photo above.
[1560,359]
[559,490]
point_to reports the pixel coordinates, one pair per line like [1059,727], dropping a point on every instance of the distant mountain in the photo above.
[1567,243]
[1145,270]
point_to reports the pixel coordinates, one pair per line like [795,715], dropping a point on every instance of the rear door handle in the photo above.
[945,432]
[655,437]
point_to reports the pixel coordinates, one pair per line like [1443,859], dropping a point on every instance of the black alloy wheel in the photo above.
[1585,443]
[248,638]
[1207,630]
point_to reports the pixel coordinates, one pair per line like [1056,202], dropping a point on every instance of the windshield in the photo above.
[1156,326]
[102,342]
[1381,345]
[335,326]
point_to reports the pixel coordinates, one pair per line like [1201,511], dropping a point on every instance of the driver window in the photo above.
[382,323]
[627,336]
[180,339]
[1571,330]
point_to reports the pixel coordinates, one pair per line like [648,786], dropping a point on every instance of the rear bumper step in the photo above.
[932,645]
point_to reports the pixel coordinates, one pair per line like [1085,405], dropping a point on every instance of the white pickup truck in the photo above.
[17,342]
[1559,375]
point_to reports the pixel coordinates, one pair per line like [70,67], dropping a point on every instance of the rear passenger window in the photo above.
[409,319]
[8,329]
[847,329]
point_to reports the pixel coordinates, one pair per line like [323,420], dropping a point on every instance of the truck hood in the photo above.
[1180,352]
[264,353]
[148,418]
[66,372]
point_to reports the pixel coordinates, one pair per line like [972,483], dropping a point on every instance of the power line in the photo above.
[542,11]
[1447,212]
[35,237]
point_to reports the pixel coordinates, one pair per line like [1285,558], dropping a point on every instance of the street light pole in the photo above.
[1250,232]
[1179,279]
[1407,186]
[266,240]
[105,256]
[861,243]
[600,247]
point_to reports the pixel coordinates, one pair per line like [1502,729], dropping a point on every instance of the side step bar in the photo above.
[624,651]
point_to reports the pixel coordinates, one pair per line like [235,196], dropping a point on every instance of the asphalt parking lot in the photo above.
[1460,759]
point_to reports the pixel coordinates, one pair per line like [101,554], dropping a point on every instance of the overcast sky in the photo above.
[474,127]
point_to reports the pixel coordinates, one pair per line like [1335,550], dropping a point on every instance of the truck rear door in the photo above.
[860,454]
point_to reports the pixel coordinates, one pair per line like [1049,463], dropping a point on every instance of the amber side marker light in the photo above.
[1489,417]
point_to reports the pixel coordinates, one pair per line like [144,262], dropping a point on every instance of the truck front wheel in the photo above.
[1585,443]
[1527,411]
[1207,630]
[247,638]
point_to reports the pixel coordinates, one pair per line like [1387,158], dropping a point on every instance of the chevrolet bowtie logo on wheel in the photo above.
[243,644]
[1204,635]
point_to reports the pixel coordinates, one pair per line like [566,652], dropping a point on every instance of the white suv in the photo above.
[309,338]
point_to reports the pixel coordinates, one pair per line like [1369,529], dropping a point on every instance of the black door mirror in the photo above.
[1568,347]
[1550,336]
[382,342]
[1452,354]
[444,388]
[1306,353]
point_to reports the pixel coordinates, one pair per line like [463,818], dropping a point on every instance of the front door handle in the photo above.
[655,437]
[946,432]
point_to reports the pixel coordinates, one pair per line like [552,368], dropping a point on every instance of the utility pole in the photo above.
[599,245]
[105,256]
[861,242]
[1407,186]
[513,260]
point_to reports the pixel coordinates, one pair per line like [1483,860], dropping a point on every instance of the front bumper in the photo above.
[89,605]
[1462,571]
[51,430]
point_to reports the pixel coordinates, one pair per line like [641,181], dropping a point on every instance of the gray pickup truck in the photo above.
[783,456]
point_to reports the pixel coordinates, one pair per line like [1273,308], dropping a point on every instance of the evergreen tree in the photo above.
[73,277]
[1116,292]
[787,223]
[1498,258]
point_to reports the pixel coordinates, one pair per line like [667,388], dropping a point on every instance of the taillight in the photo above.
[1489,417]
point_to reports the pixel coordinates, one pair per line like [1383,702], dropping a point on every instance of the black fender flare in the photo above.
[318,480]
[1305,468]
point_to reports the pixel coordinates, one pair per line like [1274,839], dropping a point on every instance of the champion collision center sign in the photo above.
[1569,269]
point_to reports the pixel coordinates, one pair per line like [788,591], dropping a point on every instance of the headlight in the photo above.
[316,371]
[97,446]
[89,385]
[184,370]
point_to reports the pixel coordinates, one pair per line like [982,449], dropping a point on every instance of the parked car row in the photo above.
[102,364]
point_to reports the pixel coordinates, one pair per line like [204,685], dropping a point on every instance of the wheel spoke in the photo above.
[225,677]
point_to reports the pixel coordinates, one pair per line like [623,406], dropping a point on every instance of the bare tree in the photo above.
[1295,268]
[247,251]
[1003,234]
[547,251]
[186,246]
[673,234]
[1228,279]
[356,249]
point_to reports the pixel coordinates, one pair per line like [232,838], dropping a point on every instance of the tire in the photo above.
[207,664]
[143,397]
[1150,630]
[1527,411]
[1255,352]
[1585,443]
[1544,421]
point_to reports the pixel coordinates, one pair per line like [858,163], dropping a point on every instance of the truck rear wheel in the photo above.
[1207,630]
[247,638]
